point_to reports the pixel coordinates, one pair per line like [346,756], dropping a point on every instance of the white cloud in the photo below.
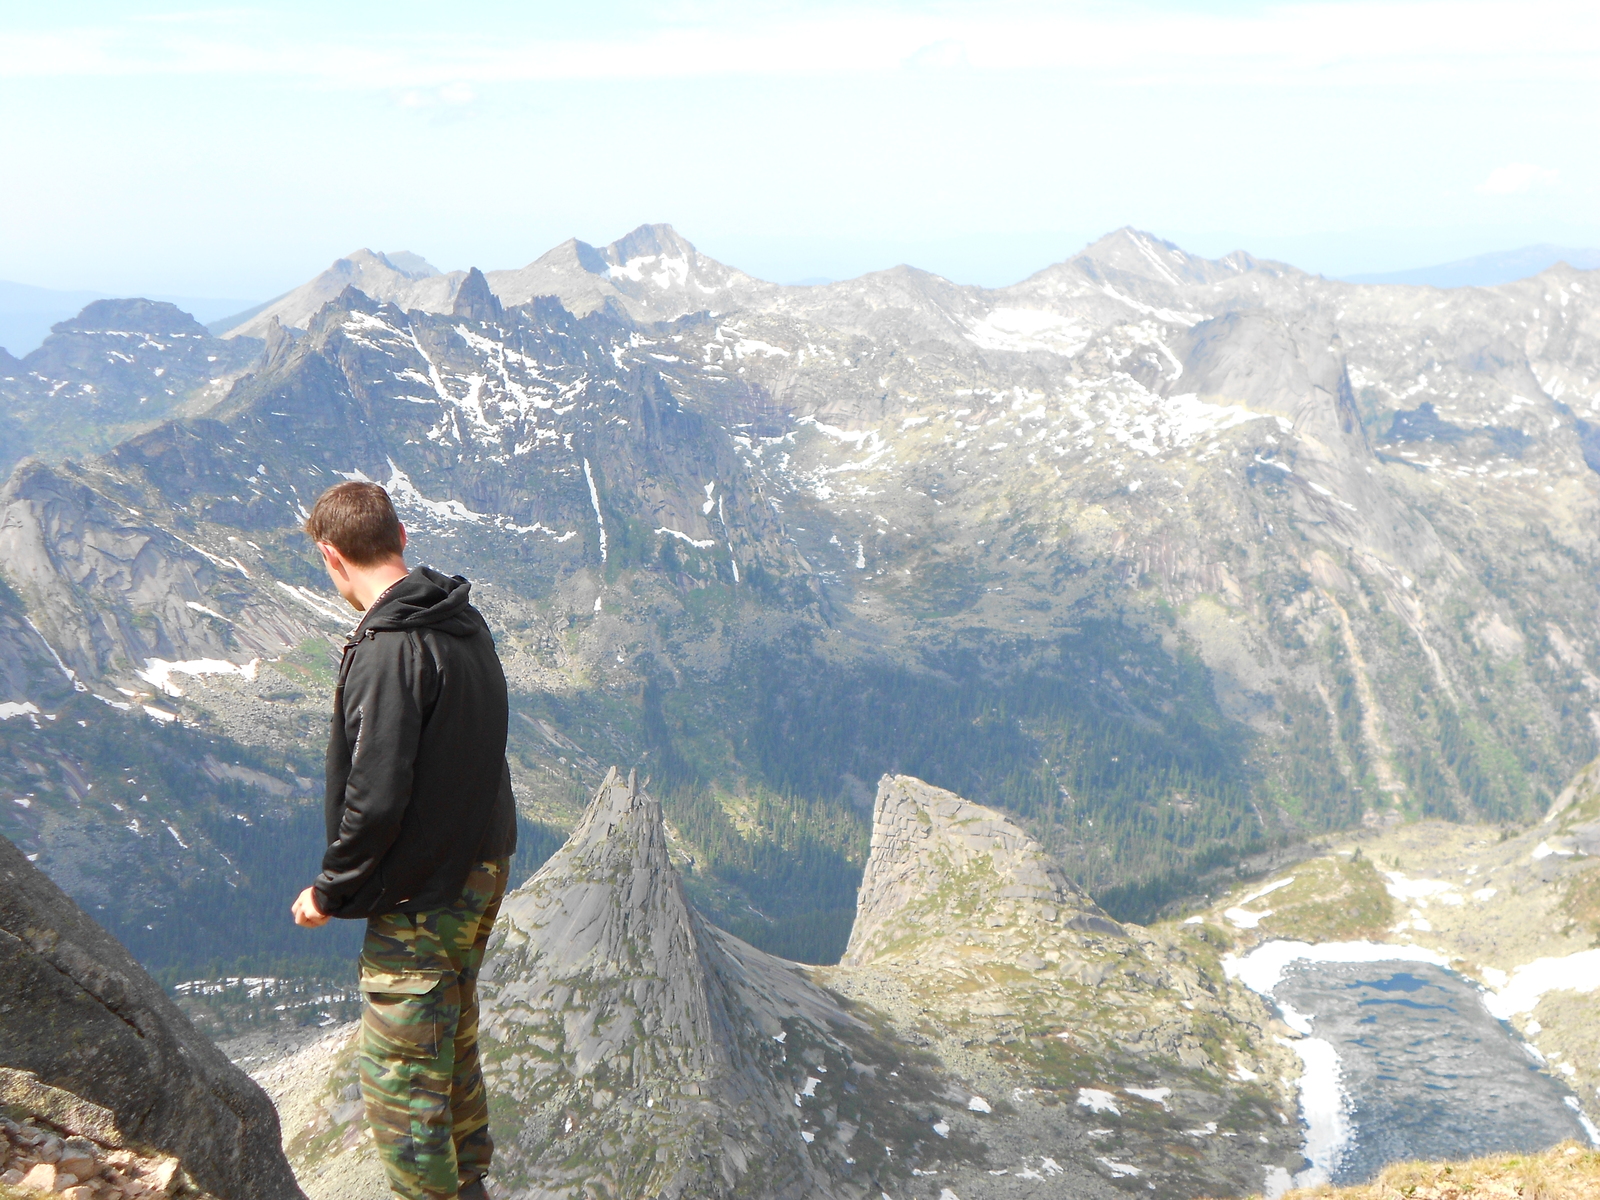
[1296,43]
[1515,178]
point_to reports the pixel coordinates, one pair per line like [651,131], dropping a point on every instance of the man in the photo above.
[421,828]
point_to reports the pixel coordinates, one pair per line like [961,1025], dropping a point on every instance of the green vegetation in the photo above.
[1582,903]
[796,859]
[1110,750]
[1568,1171]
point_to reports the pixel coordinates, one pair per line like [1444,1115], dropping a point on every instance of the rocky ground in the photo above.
[103,1075]
[1104,1046]
[38,1158]
[1565,1172]
[324,1124]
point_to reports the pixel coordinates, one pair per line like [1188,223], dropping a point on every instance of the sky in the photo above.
[236,150]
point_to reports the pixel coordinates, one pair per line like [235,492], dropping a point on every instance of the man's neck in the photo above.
[371,582]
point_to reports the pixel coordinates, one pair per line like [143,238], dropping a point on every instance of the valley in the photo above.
[1178,560]
[1188,577]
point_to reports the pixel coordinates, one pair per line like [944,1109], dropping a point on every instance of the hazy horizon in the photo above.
[235,152]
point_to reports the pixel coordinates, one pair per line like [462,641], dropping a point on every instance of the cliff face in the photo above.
[92,1044]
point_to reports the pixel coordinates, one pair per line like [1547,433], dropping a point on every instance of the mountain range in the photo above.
[1486,270]
[1175,561]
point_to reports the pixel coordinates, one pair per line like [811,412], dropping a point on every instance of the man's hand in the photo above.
[306,912]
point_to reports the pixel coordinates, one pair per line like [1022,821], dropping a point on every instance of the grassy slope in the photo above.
[1565,1172]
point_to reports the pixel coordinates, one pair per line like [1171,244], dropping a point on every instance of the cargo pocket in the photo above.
[401,1017]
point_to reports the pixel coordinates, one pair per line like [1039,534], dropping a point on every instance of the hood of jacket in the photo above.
[424,599]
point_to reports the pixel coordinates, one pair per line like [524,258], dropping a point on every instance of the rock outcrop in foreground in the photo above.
[1565,1172]
[91,1046]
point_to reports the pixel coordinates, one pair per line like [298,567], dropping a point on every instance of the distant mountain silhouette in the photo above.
[1486,270]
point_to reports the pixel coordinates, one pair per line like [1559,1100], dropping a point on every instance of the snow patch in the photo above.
[1098,1101]
[158,672]
[1160,314]
[684,537]
[1578,972]
[404,492]
[1157,1095]
[1325,1110]
[314,602]
[1262,969]
[1245,919]
[1583,1119]
[1121,1170]
[594,499]
[1268,890]
[1024,329]
[13,708]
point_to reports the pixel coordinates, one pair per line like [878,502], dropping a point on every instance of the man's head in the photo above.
[361,539]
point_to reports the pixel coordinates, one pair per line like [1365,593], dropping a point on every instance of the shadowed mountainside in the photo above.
[1175,561]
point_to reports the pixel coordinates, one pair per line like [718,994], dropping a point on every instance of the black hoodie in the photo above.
[418,786]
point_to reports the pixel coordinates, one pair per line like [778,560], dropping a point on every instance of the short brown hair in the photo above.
[360,522]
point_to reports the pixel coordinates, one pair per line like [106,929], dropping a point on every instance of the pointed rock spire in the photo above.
[475,300]
[644,1048]
[940,863]
[278,345]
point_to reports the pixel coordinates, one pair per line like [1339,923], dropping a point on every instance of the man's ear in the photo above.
[334,560]
[402,538]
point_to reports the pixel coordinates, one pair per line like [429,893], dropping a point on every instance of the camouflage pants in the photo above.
[419,1040]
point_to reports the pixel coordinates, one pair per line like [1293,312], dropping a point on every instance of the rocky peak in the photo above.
[410,264]
[941,864]
[658,239]
[403,279]
[638,1042]
[1133,254]
[115,369]
[278,343]
[474,299]
[652,274]
[131,316]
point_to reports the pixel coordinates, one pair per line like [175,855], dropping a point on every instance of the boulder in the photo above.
[90,1043]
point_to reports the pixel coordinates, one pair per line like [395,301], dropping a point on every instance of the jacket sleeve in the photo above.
[385,698]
